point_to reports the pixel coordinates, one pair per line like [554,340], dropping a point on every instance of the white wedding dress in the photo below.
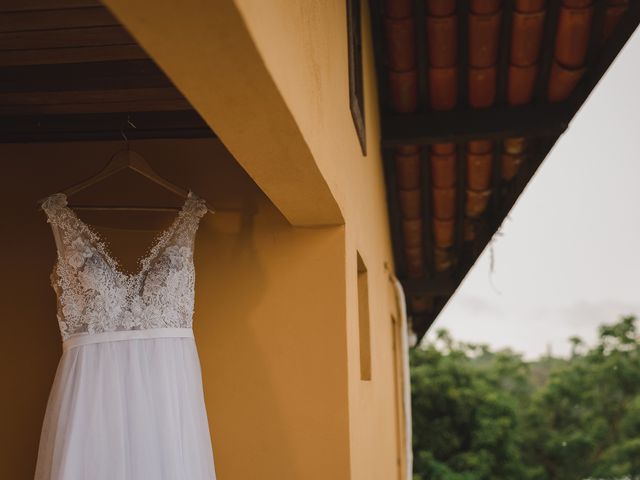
[127,400]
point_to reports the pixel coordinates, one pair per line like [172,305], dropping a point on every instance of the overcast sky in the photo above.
[568,258]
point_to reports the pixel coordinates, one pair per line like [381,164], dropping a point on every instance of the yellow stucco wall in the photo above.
[269,320]
[304,46]
[277,305]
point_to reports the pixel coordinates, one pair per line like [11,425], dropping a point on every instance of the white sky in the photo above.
[569,256]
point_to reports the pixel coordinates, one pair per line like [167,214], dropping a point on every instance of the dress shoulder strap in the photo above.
[195,206]
[59,217]
[192,211]
[55,207]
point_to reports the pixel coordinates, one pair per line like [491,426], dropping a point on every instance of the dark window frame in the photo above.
[356,80]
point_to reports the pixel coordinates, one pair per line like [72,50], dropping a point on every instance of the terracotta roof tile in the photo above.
[479,170]
[577,3]
[407,170]
[398,8]
[469,230]
[407,149]
[443,88]
[521,83]
[421,303]
[480,146]
[526,37]
[562,81]
[403,89]
[484,33]
[415,262]
[443,232]
[572,38]
[477,202]
[442,40]
[412,231]
[485,6]
[444,203]
[515,145]
[612,17]
[482,86]
[529,6]
[400,37]
[411,203]
[510,165]
[440,8]
[443,170]
[443,148]
[442,259]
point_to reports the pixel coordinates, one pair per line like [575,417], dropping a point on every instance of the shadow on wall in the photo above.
[230,286]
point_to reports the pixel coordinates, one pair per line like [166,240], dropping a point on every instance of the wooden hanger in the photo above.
[127,159]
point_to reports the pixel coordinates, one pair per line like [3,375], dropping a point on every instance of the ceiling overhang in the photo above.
[473,95]
[70,71]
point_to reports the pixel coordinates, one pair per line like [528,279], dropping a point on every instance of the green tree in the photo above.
[481,415]
[585,421]
[465,412]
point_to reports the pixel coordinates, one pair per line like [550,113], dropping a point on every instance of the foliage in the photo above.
[481,415]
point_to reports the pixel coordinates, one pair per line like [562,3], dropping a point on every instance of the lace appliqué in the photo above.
[95,295]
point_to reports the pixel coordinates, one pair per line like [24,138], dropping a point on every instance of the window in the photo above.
[356,86]
[363,320]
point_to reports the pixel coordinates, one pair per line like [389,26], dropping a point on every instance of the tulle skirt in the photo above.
[127,410]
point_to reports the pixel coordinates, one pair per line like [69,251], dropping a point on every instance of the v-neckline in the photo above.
[144,261]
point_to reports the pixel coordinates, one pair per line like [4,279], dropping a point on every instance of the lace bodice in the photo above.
[95,295]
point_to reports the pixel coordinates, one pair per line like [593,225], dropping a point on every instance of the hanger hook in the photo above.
[122,127]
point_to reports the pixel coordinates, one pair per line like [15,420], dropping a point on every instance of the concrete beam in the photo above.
[207,50]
